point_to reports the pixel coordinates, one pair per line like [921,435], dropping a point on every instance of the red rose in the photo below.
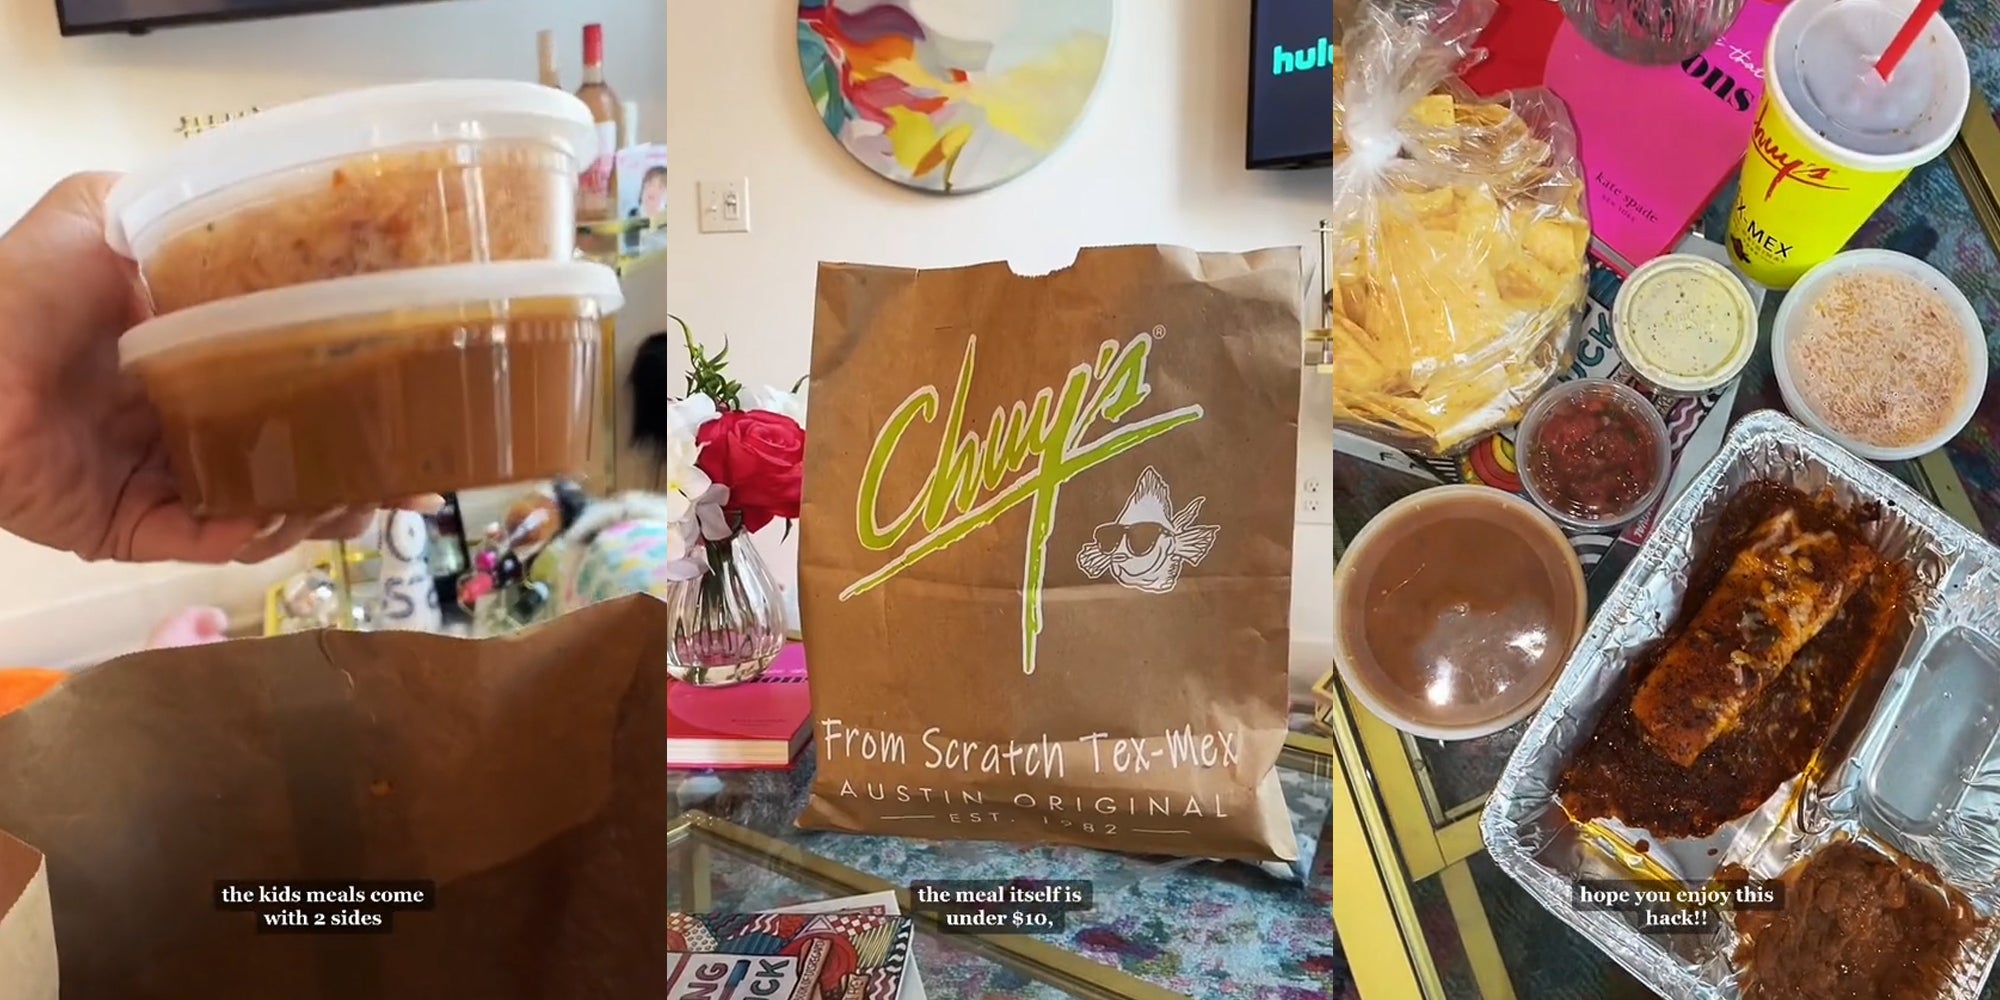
[760,456]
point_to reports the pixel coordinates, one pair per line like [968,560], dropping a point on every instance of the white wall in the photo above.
[1158,158]
[109,102]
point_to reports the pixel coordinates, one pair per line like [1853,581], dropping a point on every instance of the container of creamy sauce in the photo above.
[1684,324]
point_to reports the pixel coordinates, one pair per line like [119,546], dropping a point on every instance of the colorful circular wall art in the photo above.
[952,96]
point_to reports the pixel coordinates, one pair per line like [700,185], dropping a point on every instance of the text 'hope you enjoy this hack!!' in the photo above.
[1046,557]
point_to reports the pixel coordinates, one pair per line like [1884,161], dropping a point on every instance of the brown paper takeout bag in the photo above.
[27,933]
[524,775]
[1046,554]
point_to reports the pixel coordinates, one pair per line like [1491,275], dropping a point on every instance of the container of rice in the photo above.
[362,182]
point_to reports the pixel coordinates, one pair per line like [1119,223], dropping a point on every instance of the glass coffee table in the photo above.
[1420,909]
[1160,928]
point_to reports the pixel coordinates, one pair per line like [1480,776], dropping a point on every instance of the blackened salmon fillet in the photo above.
[1780,590]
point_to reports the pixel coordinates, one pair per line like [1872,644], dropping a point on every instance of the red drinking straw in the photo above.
[1907,38]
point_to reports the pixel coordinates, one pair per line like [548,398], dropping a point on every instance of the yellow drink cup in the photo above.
[1832,140]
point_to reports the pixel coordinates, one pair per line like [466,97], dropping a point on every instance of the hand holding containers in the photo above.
[369,295]
[369,389]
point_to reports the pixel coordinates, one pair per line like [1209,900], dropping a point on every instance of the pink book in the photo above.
[760,724]
[1657,142]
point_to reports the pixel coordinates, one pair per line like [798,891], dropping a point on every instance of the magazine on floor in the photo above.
[852,946]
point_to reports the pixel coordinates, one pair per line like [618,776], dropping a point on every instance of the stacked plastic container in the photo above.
[369,296]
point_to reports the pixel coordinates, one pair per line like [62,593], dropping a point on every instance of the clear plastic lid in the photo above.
[1824,56]
[1594,454]
[1801,304]
[372,295]
[1685,323]
[351,123]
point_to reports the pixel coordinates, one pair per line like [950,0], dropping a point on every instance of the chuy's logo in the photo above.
[1315,56]
[1028,452]
[1787,167]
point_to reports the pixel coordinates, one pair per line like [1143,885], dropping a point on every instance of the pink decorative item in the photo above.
[197,626]
[1659,141]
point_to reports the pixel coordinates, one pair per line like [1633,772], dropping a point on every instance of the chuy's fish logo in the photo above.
[1147,546]
[1029,451]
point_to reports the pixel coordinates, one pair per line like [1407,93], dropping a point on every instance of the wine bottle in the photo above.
[596,201]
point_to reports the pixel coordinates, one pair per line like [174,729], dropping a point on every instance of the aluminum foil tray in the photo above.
[1915,767]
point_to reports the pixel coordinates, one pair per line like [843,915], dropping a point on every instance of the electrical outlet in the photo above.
[725,205]
[1315,501]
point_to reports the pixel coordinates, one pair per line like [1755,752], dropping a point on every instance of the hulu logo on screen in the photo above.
[1316,56]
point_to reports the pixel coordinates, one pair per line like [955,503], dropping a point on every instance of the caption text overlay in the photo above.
[1677,907]
[1010,906]
[321,907]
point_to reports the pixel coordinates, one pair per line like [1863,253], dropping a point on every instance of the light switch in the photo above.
[725,205]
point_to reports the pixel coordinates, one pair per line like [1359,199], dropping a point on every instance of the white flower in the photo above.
[685,559]
[686,416]
[685,480]
[709,515]
[775,400]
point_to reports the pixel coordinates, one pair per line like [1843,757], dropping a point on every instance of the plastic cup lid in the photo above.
[1819,61]
[351,123]
[371,295]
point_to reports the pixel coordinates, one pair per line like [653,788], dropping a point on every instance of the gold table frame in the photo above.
[1383,797]
[702,835]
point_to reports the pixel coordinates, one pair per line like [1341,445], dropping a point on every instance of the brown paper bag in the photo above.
[524,775]
[27,933]
[1045,569]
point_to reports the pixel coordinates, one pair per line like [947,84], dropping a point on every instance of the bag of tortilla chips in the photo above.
[1459,232]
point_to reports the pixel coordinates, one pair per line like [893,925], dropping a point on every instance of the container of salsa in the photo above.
[1684,324]
[1594,453]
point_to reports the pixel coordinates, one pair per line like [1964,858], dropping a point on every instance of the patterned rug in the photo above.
[1206,930]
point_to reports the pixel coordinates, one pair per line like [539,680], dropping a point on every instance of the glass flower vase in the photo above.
[728,623]
[1652,32]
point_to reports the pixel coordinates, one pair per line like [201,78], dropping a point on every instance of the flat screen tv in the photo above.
[1291,84]
[96,17]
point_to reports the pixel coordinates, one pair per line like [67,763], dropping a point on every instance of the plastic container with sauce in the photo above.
[364,390]
[1455,610]
[1594,454]
[1684,324]
[381,179]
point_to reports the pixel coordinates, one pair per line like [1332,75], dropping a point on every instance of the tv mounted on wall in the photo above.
[1291,84]
[96,17]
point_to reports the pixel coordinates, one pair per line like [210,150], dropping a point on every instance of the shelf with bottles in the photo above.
[477,581]
[619,198]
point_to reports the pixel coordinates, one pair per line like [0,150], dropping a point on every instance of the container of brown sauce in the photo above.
[1454,611]
[359,391]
